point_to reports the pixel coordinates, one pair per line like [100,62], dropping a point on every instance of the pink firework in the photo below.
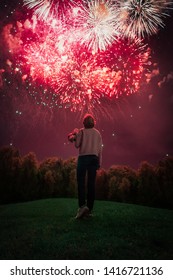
[97,23]
[124,64]
[45,9]
[58,63]
[142,17]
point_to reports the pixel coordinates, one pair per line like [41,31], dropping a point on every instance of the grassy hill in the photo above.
[46,229]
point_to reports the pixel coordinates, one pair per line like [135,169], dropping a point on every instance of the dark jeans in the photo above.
[87,165]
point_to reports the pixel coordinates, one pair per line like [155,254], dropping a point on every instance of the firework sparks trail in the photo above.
[97,24]
[95,21]
[53,60]
[50,8]
[77,76]
[139,18]
[68,72]
[123,65]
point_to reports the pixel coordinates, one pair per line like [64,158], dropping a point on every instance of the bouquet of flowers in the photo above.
[72,135]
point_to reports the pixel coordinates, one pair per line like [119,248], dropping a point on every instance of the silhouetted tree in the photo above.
[123,186]
[124,190]
[101,184]
[72,190]
[51,177]
[24,178]
[69,177]
[164,173]
[148,190]
[29,183]
[10,164]
[113,193]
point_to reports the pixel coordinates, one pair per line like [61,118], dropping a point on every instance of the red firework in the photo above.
[78,77]
[45,9]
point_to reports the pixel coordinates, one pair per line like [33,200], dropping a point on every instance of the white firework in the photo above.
[97,24]
[45,9]
[142,17]
[42,8]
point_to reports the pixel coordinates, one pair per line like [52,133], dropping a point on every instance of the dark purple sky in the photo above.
[136,129]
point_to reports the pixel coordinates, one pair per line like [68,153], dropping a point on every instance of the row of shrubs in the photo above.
[25,178]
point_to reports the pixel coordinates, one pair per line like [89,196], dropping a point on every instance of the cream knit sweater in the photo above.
[89,142]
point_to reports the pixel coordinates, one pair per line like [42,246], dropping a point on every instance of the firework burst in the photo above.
[97,24]
[142,17]
[79,78]
[46,9]
[122,66]
[59,71]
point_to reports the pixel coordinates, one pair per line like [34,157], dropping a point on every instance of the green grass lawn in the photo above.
[46,229]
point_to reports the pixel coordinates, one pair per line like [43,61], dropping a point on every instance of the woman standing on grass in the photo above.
[89,142]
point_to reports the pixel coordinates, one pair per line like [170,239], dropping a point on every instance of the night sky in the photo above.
[134,129]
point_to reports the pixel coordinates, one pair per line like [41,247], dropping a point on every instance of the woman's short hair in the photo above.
[88,121]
